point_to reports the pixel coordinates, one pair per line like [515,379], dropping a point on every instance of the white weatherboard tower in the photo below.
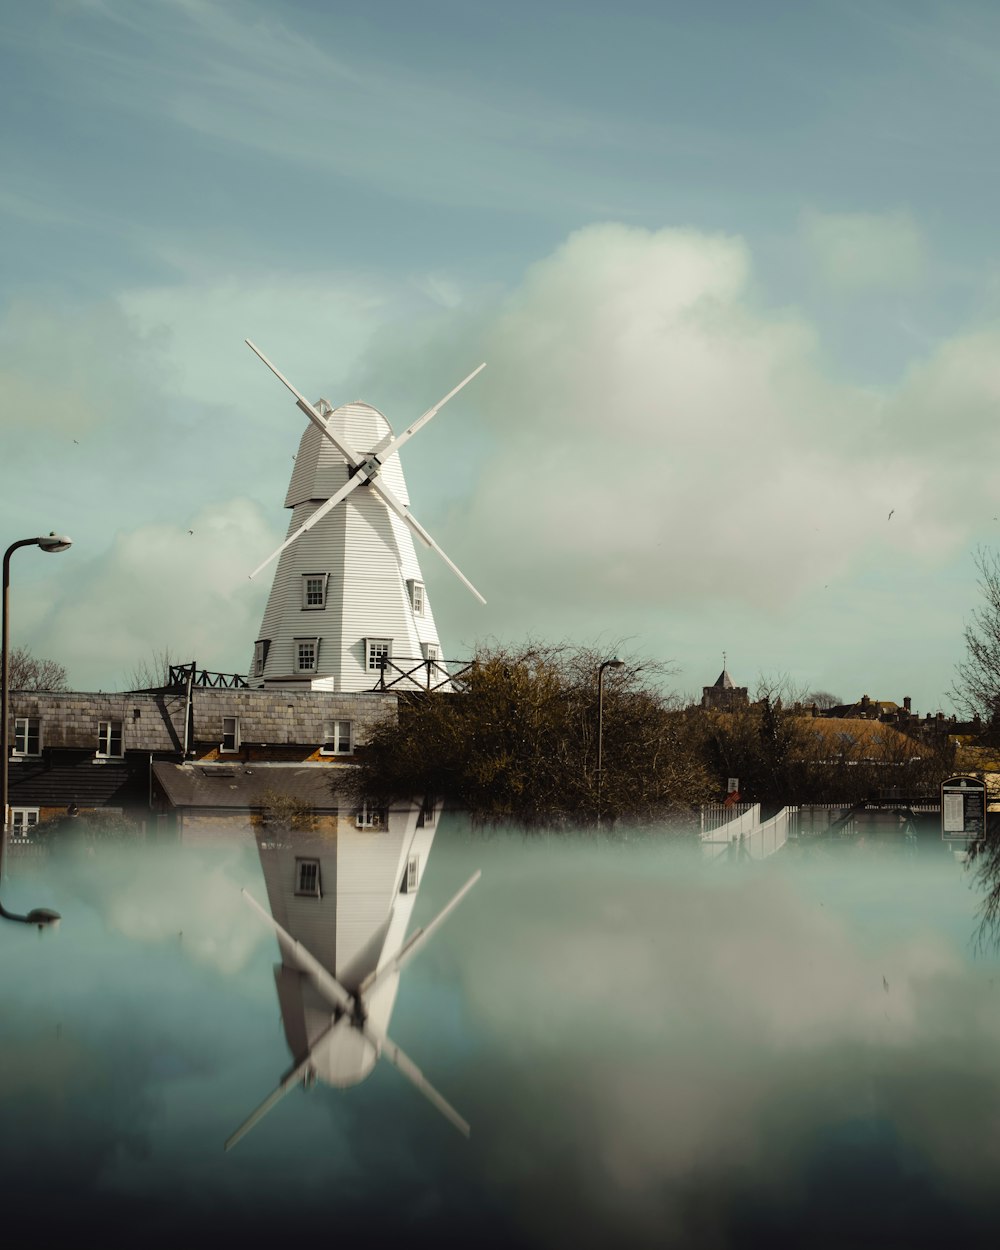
[348,594]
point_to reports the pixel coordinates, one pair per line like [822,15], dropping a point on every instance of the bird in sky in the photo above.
[889,517]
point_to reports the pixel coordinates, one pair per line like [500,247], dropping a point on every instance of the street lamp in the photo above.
[40,916]
[615,663]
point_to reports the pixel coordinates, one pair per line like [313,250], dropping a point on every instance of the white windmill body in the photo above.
[340,906]
[371,593]
[348,592]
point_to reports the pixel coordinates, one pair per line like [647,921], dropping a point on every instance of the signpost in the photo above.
[963,809]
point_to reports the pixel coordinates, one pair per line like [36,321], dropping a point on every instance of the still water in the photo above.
[650,1051]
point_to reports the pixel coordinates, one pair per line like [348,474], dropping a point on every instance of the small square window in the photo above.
[314,590]
[338,738]
[230,734]
[306,651]
[109,738]
[307,878]
[27,735]
[378,650]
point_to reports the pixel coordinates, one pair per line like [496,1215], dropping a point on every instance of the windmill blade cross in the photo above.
[404,513]
[387,1049]
[389,444]
[318,515]
[328,985]
[295,1077]
[418,939]
[349,455]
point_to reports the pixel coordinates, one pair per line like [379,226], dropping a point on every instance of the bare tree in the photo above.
[27,672]
[976,688]
[150,673]
[823,699]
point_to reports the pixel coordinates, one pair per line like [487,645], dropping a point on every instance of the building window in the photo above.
[432,652]
[27,735]
[378,650]
[412,875]
[260,649]
[368,816]
[23,818]
[307,878]
[338,738]
[109,738]
[416,597]
[230,733]
[306,651]
[314,590]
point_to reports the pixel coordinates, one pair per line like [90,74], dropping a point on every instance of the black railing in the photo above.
[181,674]
[412,673]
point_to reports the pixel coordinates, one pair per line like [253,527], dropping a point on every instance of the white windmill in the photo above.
[348,594]
[341,907]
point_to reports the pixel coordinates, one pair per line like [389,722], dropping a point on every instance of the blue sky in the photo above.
[733,269]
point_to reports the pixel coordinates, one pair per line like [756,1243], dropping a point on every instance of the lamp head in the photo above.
[615,663]
[44,917]
[54,542]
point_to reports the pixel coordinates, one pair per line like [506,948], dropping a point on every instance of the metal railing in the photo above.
[407,672]
[180,674]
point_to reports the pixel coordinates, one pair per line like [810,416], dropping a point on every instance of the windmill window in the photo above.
[27,735]
[432,651]
[417,597]
[378,650]
[307,878]
[109,739]
[412,877]
[338,737]
[230,734]
[314,590]
[306,651]
[260,650]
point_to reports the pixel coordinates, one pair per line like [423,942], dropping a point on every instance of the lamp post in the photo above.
[40,916]
[615,663]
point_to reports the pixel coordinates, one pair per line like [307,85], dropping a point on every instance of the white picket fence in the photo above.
[745,834]
[717,839]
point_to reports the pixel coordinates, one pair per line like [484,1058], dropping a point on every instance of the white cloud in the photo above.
[865,251]
[157,586]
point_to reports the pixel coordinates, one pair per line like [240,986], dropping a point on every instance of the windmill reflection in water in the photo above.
[340,905]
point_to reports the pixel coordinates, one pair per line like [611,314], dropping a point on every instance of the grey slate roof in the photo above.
[241,786]
[724,681]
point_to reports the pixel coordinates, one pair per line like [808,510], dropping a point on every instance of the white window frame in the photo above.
[104,739]
[418,596]
[234,735]
[368,816]
[411,878]
[260,648]
[374,649]
[30,817]
[324,580]
[335,736]
[297,643]
[25,752]
[316,889]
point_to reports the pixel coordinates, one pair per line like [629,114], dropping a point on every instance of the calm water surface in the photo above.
[650,1051]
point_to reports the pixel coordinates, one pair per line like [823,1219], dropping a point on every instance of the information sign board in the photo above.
[963,809]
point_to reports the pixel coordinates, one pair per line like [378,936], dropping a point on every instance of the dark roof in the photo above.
[57,782]
[724,682]
[243,786]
